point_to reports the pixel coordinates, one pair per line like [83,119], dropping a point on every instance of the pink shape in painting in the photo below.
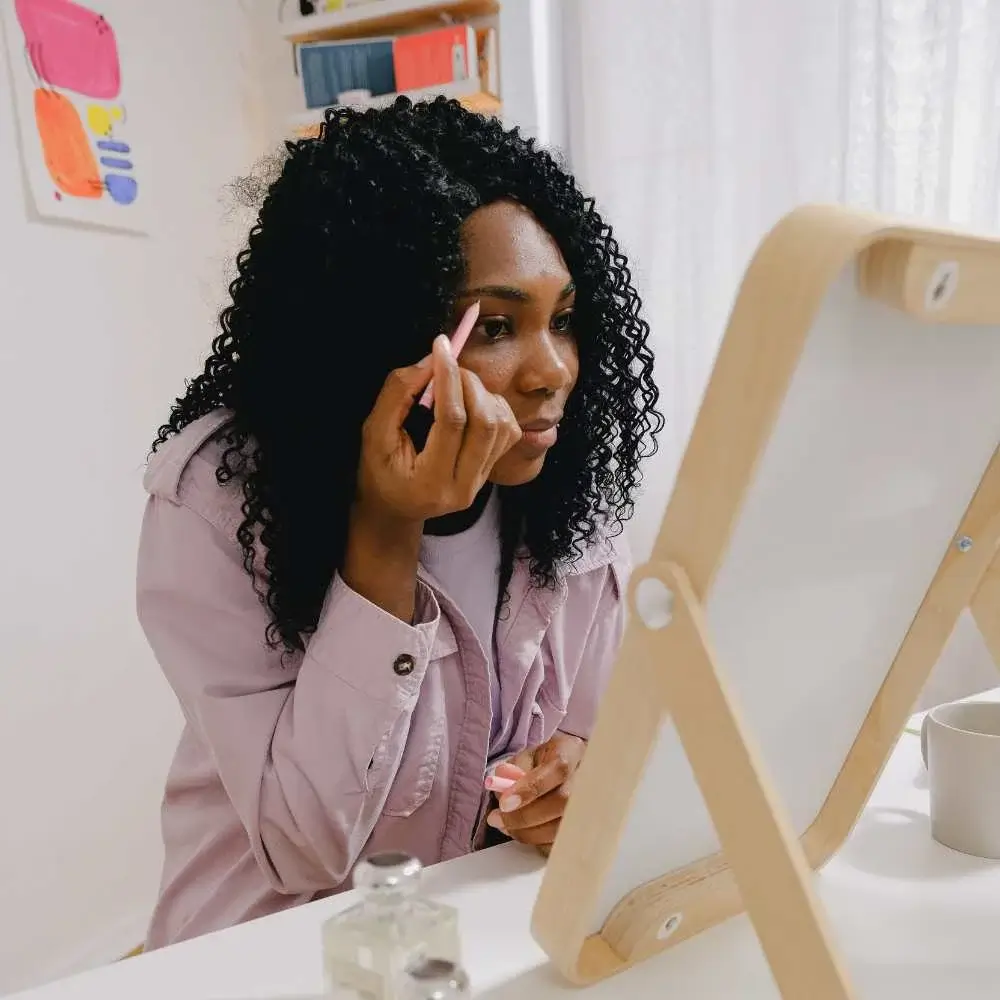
[71,47]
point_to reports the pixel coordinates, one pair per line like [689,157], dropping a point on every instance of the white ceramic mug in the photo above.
[960,743]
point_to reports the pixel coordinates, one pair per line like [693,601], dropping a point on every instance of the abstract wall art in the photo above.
[72,113]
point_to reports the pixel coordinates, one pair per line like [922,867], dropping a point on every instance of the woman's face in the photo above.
[523,346]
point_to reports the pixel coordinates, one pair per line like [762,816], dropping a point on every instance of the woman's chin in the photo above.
[515,470]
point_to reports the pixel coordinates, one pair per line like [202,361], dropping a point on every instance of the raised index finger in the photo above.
[450,416]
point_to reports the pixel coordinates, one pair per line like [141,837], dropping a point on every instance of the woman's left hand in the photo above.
[531,810]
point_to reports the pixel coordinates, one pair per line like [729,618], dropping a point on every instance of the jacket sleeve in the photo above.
[600,650]
[292,742]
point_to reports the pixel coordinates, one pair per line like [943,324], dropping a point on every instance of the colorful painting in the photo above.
[73,117]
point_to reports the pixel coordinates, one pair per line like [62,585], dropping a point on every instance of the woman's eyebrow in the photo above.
[511,293]
[498,292]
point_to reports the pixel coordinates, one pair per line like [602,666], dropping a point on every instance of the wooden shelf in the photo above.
[380,17]
[482,103]
[307,124]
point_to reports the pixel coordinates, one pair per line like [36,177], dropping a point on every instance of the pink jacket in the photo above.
[287,773]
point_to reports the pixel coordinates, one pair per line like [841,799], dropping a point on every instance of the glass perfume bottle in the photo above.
[367,948]
[434,979]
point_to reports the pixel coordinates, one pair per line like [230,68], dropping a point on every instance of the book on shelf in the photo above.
[489,60]
[328,69]
[457,60]
[430,58]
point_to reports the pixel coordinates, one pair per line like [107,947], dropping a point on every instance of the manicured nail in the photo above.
[495,820]
[495,784]
[424,362]
[509,803]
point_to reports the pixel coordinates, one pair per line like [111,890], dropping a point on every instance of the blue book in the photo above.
[330,68]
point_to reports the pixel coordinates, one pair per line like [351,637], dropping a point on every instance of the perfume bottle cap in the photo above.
[392,870]
[435,979]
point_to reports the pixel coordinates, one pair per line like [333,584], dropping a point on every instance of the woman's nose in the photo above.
[545,367]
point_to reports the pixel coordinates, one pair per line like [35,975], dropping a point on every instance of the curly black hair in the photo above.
[350,270]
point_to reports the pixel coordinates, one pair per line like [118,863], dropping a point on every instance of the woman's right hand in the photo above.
[472,429]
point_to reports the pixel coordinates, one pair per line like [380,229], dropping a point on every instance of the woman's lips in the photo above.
[539,440]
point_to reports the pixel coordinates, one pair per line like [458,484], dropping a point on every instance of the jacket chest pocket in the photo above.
[421,737]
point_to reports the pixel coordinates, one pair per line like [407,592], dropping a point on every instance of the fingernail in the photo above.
[424,361]
[442,343]
[495,820]
[509,803]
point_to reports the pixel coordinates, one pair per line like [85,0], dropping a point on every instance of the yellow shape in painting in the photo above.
[101,119]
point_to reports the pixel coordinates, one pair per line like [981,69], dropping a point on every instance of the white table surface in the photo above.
[915,921]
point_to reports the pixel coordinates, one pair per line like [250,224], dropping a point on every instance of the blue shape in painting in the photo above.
[123,190]
[116,163]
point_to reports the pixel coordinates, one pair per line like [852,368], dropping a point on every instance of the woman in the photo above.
[357,626]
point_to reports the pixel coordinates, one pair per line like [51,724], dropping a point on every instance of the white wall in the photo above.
[97,332]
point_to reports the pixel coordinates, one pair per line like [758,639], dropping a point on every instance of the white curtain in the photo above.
[698,123]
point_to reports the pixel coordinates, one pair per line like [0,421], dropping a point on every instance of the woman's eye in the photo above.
[494,327]
[563,323]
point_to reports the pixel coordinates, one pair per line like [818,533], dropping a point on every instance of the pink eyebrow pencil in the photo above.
[495,784]
[458,339]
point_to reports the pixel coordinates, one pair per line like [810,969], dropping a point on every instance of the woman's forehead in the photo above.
[503,241]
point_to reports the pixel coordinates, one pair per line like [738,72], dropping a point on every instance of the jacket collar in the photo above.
[166,467]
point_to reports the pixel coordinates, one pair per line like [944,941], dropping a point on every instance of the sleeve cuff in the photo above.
[371,650]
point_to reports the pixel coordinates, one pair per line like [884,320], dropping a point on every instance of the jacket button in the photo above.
[404,664]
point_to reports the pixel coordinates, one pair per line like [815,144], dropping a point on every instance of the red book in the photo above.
[432,58]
